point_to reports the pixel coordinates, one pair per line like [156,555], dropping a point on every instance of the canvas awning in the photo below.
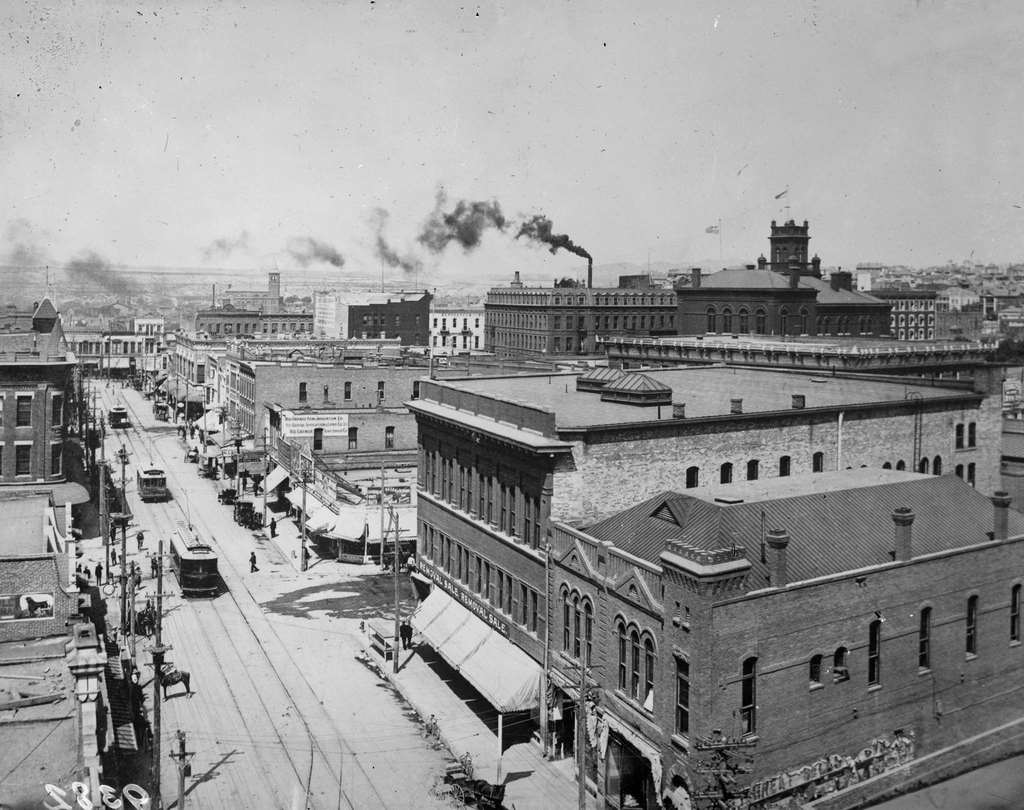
[505,675]
[349,524]
[275,479]
[214,406]
[319,517]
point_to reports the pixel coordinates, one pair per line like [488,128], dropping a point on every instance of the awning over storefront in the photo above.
[214,406]
[349,524]
[160,380]
[193,396]
[276,477]
[642,745]
[500,671]
[320,517]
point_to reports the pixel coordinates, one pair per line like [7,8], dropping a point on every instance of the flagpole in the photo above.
[719,240]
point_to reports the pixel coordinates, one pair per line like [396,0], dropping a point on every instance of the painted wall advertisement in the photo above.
[17,606]
[301,425]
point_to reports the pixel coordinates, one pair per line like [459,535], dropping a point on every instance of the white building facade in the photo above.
[456,331]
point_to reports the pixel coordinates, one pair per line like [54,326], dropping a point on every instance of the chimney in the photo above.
[778,562]
[736,405]
[695,277]
[833,281]
[903,517]
[762,262]
[678,410]
[799,401]
[794,275]
[515,281]
[751,266]
[1001,528]
[590,273]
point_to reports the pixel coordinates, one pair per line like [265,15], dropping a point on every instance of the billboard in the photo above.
[18,606]
[301,425]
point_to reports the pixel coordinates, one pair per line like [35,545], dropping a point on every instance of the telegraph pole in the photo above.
[182,756]
[581,736]
[158,663]
[104,509]
[394,522]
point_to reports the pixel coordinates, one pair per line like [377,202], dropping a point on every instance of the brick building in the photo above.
[559,321]
[268,301]
[501,459]
[230,321]
[683,607]
[401,315]
[913,312]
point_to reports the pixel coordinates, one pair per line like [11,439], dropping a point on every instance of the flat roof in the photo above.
[22,518]
[706,391]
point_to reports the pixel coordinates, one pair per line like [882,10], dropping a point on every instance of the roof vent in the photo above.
[637,389]
[678,410]
[728,499]
[736,405]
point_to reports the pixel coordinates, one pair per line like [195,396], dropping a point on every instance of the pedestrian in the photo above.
[99,572]
[78,568]
[405,631]
[273,527]
[137,574]
[113,557]
[152,565]
[252,563]
[87,574]
[140,538]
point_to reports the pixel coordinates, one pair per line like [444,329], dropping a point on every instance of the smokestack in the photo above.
[778,563]
[1001,528]
[903,517]
[590,273]
[736,405]
[695,277]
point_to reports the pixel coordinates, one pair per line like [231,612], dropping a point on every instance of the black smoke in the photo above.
[386,253]
[23,248]
[538,228]
[225,246]
[92,270]
[306,251]
[465,223]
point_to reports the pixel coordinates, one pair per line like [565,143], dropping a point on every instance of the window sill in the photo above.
[924,671]
[1015,643]
[815,686]
[679,741]
[970,656]
[874,687]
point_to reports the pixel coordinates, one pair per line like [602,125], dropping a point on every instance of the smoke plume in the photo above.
[538,228]
[465,223]
[387,254]
[91,269]
[23,249]
[225,246]
[306,251]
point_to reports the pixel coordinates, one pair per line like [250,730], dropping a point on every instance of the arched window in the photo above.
[588,631]
[634,670]
[803,320]
[922,466]
[752,469]
[576,620]
[623,655]
[814,670]
[566,620]
[972,435]
[924,639]
[760,322]
[748,697]
[840,672]
[887,465]
[726,320]
[971,634]
[712,320]
[937,465]
[875,653]
[783,321]
[901,465]
[650,668]
[692,477]
[959,470]
[825,326]
[818,462]
[784,464]
[744,321]
[725,473]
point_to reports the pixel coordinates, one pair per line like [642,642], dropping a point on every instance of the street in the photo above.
[283,714]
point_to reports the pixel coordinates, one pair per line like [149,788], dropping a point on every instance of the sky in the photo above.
[290,134]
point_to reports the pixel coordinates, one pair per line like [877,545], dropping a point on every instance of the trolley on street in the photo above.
[194,563]
[119,419]
[152,485]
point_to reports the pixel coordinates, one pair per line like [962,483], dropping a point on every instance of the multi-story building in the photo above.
[402,315]
[37,391]
[559,321]
[952,299]
[682,607]
[135,348]
[268,301]
[457,331]
[228,321]
[913,312]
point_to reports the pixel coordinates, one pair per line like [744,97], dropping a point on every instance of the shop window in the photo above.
[924,639]
[840,670]
[748,697]
[971,628]
[682,696]
[875,653]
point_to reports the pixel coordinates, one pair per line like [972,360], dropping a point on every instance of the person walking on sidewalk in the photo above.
[273,527]
[140,539]
[252,563]
[405,632]
[99,573]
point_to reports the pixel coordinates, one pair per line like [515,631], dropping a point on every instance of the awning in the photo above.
[319,517]
[497,668]
[159,380]
[349,524]
[642,745]
[214,406]
[276,477]
[195,397]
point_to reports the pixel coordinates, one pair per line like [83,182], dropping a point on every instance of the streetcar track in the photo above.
[136,433]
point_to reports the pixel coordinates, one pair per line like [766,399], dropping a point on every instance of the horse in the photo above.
[171,676]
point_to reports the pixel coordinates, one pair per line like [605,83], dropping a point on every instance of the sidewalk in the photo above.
[432,687]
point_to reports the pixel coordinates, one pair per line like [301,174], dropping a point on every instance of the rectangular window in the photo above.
[327,394]
[389,437]
[318,438]
[533,611]
[380,390]
[960,436]
[302,392]
[57,410]
[23,459]
[524,604]
[23,416]
[487,581]
[875,653]
[924,639]
[1015,613]
[353,438]
[348,390]
[501,590]
[748,697]
[490,500]
[971,629]
[55,459]
[512,511]
[682,697]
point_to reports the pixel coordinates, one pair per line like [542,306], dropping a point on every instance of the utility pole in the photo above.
[302,536]
[394,522]
[184,769]
[581,736]
[158,663]
[104,508]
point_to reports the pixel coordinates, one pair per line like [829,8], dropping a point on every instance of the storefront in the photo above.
[632,766]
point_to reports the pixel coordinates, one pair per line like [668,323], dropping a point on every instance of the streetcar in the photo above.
[152,485]
[195,564]
[119,418]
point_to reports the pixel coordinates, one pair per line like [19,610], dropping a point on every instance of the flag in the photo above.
[711,229]
[781,194]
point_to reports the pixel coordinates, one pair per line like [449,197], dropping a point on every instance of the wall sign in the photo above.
[18,606]
[301,425]
[446,584]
